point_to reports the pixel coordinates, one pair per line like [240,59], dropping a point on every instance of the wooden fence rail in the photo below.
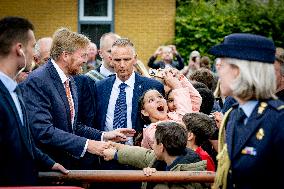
[89,176]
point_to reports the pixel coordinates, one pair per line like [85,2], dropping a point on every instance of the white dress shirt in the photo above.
[104,71]
[112,101]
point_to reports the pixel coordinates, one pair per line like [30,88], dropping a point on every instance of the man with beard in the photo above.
[52,103]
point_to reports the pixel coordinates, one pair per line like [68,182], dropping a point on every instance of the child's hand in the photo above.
[148,171]
[109,153]
[172,80]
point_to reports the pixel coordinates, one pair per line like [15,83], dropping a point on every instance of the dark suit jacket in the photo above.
[264,132]
[103,90]
[18,153]
[49,113]
[86,100]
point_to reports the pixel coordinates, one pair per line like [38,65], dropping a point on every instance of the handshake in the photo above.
[109,153]
[118,135]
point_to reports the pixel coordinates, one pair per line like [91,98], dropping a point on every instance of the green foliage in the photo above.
[200,24]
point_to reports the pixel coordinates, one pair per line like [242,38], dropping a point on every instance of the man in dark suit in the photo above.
[18,154]
[52,103]
[123,57]
[86,100]
[117,106]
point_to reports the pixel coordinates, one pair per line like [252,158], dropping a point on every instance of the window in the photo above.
[95,18]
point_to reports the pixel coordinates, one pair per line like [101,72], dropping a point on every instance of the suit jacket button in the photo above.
[234,186]
[230,171]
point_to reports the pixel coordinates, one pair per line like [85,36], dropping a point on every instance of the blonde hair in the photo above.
[256,80]
[109,35]
[68,41]
[141,68]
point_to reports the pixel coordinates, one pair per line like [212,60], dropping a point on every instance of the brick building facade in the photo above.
[147,23]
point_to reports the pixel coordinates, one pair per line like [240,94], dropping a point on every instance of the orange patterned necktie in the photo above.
[69,97]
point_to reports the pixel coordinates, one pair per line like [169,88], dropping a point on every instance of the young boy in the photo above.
[200,128]
[169,154]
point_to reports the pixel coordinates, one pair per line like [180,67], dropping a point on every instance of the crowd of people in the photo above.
[61,108]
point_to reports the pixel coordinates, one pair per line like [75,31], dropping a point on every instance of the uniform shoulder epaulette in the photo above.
[276,104]
[281,107]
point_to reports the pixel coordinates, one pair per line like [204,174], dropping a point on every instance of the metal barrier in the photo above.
[89,176]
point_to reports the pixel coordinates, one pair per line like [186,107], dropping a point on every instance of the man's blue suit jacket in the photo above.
[103,90]
[86,99]
[49,113]
[18,153]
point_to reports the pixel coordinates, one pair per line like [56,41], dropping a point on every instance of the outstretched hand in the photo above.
[119,135]
[127,132]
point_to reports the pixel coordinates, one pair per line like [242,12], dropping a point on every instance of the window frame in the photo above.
[108,18]
[94,21]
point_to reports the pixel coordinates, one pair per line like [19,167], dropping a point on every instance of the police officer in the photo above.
[251,138]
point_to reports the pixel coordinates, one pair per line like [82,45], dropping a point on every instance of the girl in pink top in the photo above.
[154,106]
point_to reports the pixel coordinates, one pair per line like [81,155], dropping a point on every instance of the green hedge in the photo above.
[201,24]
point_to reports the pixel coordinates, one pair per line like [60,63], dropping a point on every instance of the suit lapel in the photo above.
[60,88]
[137,92]
[26,124]
[24,132]
[102,99]
[10,101]
[253,123]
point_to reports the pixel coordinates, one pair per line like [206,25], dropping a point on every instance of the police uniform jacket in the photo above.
[256,149]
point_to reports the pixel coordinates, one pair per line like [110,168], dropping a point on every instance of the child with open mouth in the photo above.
[154,107]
